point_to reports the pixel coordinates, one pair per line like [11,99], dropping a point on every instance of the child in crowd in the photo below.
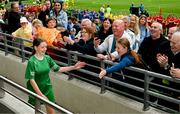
[128,57]
[25,31]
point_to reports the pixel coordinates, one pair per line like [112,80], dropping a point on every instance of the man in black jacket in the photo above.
[151,48]
[153,45]
[13,18]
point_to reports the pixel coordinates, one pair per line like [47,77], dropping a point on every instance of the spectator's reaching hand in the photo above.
[110,57]
[13,37]
[68,40]
[102,73]
[101,56]
[106,57]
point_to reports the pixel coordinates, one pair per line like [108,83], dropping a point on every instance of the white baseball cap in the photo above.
[23,20]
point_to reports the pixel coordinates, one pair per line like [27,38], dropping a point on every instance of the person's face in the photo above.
[155,30]
[41,49]
[85,35]
[24,24]
[121,49]
[57,6]
[175,44]
[170,33]
[118,28]
[126,23]
[15,7]
[51,24]
[44,7]
[106,25]
[142,21]
[48,4]
[85,24]
[132,21]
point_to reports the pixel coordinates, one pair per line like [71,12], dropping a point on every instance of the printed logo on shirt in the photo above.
[32,74]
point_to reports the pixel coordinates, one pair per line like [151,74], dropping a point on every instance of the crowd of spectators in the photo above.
[93,34]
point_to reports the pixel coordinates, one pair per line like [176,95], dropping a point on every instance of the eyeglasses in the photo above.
[57,5]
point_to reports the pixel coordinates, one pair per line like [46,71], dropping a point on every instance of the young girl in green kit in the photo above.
[37,72]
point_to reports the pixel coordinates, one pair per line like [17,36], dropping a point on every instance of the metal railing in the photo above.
[38,98]
[133,82]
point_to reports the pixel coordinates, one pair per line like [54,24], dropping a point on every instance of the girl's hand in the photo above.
[45,97]
[102,73]
[79,65]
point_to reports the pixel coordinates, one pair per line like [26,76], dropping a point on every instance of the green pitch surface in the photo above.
[122,6]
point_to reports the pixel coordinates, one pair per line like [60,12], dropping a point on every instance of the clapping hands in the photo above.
[162,59]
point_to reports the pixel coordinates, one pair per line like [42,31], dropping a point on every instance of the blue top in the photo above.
[62,18]
[144,33]
[126,60]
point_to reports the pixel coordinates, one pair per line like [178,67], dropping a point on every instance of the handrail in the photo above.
[57,107]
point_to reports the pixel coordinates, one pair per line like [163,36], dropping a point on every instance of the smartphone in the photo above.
[172,65]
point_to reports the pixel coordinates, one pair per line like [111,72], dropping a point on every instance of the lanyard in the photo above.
[113,45]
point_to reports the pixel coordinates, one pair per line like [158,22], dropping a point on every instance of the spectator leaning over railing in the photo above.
[59,14]
[37,28]
[128,57]
[25,31]
[37,73]
[85,44]
[109,43]
[84,23]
